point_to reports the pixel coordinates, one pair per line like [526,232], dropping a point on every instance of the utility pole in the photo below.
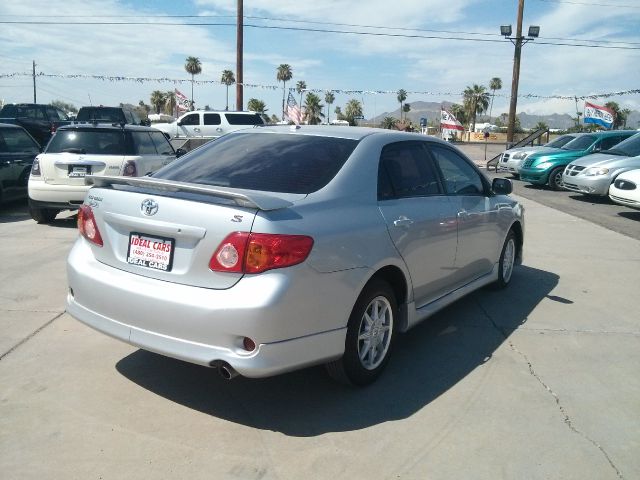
[34,82]
[239,47]
[516,73]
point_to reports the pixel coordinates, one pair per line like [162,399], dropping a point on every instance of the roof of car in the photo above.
[10,125]
[107,126]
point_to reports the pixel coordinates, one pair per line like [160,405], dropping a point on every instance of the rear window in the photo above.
[15,140]
[100,114]
[23,111]
[274,162]
[244,119]
[96,142]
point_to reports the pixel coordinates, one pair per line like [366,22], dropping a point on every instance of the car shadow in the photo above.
[631,215]
[14,211]
[426,362]
[592,199]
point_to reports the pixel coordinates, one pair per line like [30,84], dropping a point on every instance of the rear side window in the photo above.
[14,140]
[212,119]
[143,143]
[273,162]
[244,119]
[459,177]
[97,142]
[162,144]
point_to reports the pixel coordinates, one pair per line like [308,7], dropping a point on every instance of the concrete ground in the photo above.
[538,381]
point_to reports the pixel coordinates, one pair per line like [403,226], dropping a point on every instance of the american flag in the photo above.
[293,110]
[182,102]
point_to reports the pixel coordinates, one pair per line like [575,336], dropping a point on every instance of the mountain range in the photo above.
[431,111]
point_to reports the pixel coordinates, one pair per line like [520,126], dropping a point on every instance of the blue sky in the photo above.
[324,61]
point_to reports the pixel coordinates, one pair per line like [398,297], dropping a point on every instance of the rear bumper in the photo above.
[292,326]
[42,194]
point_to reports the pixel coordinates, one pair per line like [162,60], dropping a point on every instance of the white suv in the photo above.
[209,124]
[57,176]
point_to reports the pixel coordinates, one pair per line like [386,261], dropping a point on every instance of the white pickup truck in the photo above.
[208,124]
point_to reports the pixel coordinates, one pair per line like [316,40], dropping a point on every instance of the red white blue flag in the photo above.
[293,110]
[448,121]
[602,116]
[182,102]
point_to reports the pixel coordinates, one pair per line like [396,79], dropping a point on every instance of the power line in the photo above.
[610,5]
[322,30]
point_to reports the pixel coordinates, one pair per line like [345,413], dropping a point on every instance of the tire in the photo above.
[361,363]
[555,178]
[515,175]
[507,261]
[43,215]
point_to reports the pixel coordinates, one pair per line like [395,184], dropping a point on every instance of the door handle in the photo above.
[218,129]
[196,129]
[402,221]
[463,214]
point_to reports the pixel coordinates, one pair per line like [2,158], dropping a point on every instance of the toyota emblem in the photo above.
[149,207]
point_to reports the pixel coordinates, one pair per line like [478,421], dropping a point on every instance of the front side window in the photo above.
[263,161]
[212,119]
[459,177]
[99,142]
[405,170]
[191,119]
[143,143]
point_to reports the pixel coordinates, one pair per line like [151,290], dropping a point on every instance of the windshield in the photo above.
[629,148]
[270,162]
[580,143]
[15,140]
[560,141]
[100,142]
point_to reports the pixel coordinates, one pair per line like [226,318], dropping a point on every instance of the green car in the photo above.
[545,168]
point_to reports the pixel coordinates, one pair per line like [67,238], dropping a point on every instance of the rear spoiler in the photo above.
[248,200]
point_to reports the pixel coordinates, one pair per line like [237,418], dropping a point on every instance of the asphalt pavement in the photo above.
[538,381]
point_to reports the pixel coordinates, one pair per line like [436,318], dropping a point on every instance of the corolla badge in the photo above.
[149,207]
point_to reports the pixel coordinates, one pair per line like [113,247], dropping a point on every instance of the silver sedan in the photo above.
[276,248]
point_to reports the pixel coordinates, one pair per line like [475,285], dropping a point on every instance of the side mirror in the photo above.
[502,186]
[146,122]
[180,123]
[180,152]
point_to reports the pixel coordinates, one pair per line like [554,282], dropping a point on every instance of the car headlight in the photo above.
[543,165]
[520,156]
[595,171]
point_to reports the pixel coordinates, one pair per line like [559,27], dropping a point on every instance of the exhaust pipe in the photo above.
[226,371]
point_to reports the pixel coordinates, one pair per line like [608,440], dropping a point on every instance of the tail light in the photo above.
[35,168]
[87,225]
[129,169]
[243,252]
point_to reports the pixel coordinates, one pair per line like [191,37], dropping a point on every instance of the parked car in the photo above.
[510,160]
[546,168]
[40,120]
[57,177]
[277,248]
[17,151]
[625,190]
[209,124]
[117,115]
[593,174]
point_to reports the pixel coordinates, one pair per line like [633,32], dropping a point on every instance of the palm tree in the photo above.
[158,100]
[494,84]
[256,105]
[329,98]
[301,86]
[389,123]
[284,74]
[313,109]
[228,79]
[402,96]
[476,100]
[406,109]
[351,110]
[170,104]
[194,67]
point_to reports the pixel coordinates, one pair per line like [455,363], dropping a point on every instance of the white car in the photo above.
[57,180]
[511,160]
[626,189]
[209,124]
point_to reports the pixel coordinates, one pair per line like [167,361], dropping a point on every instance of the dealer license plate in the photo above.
[150,251]
[79,171]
